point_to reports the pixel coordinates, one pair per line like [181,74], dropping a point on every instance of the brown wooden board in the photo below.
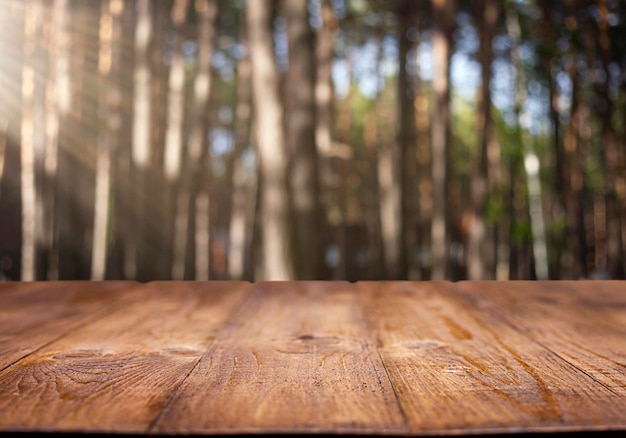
[371,358]
[457,369]
[583,322]
[116,374]
[33,314]
[296,357]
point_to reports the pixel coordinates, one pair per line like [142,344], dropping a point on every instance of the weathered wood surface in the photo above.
[365,358]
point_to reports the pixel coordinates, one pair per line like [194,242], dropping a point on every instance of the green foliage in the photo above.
[521,232]
[557,227]
[495,208]
[555,37]
[466,151]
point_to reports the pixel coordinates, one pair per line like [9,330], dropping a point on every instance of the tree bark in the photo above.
[136,251]
[27,139]
[57,105]
[142,77]
[173,143]
[407,143]
[614,204]
[239,235]
[189,182]
[390,209]
[531,162]
[324,111]
[268,111]
[481,245]
[202,183]
[574,260]
[176,97]
[3,145]
[338,209]
[424,181]
[304,173]
[109,125]
[371,196]
[444,12]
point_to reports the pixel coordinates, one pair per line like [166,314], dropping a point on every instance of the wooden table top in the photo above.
[365,358]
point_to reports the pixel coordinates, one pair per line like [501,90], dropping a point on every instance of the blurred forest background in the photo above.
[320,139]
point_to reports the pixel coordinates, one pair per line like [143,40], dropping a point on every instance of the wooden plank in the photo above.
[116,373]
[457,370]
[33,314]
[296,357]
[583,322]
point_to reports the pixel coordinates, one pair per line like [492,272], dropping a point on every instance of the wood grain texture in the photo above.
[335,358]
[35,313]
[296,357]
[583,322]
[457,368]
[116,373]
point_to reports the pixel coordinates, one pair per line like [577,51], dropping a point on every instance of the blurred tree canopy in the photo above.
[312,139]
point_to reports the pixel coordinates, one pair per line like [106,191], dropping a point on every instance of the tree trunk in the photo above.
[27,138]
[173,143]
[340,205]
[372,195]
[202,236]
[324,105]
[444,12]
[239,230]
[562,265]
[304,174]
[141,143]
[389,183]
[276,257]
[480,246]
[142,78]
[176,97]
[198,155]
[574,260]
[74,209]
[407,143]
[3,145]
[190,179]
[614,205]
[531,161]
[57,106]
[425,195]
[389,207]
[109,125]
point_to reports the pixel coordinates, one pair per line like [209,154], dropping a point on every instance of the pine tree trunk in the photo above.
[304,173]
[424,182]
[57,106]
[440,132]
[173,144]
[372,195]
[574,259]
[27,139]
[176,97]
[136,252]
[198,156]
[407,144]
[3,146]
[142,77]
[614,204]
[324,105]
[109,125]
[481,245]
[239,234]
[276,257]
[531,163]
